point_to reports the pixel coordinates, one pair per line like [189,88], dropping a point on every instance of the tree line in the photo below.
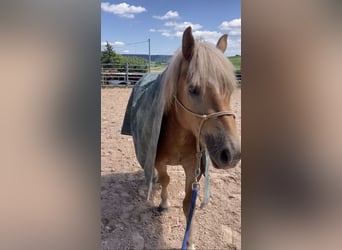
[109,56]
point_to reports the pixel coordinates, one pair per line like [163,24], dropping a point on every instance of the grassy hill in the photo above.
[236,61]
[154,58]
[159,62]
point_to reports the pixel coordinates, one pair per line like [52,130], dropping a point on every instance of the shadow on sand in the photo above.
[128,221]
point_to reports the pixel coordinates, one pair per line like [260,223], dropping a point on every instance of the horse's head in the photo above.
[205,82]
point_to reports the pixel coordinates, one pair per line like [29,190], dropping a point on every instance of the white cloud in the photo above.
[167,34]
[178,34]
[125,51]
[226,25]
[170,14]
[208,36]
[235,33]
[159,30]
[183,25]
[175,30]
[117,43]
[122,9]
[233,27]
[234,43]
[205,35]
[234,47]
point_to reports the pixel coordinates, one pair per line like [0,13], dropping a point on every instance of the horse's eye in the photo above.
[194,90]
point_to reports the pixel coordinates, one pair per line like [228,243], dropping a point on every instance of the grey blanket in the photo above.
[143,119]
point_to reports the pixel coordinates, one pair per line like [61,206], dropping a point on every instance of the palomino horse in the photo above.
[196,87]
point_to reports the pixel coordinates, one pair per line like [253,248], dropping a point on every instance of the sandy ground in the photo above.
[130,222]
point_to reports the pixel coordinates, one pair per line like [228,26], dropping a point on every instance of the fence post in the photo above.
[149,55]
[102,75]
[126,75]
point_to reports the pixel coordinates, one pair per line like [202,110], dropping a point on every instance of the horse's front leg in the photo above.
[164,180]
[189,169]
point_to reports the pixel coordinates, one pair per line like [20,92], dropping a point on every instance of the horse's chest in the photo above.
[178,153]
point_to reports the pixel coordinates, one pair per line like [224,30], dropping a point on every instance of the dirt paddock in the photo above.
[130,222]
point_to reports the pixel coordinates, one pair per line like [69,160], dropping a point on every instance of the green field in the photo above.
[157,68]
[236,61]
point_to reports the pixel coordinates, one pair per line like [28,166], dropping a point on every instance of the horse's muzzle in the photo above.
[224,152]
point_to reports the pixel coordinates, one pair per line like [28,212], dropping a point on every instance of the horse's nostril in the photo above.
[225,156]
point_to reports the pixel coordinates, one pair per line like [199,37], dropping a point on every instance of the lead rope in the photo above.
[199,155]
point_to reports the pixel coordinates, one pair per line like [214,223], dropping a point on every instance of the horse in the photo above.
[196,88]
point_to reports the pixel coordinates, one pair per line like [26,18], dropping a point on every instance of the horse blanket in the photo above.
[143,119]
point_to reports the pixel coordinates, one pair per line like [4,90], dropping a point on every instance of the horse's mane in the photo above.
[207,66]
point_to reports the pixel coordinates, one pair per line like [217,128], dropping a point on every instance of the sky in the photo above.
[127,25]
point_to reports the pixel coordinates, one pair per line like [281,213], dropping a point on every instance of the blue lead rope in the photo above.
[188,225]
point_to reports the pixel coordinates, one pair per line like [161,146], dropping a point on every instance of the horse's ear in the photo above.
[188,43]
[222,43]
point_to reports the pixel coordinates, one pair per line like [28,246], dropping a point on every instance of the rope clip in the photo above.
[195,185]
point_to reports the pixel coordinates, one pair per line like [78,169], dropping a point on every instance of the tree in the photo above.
[110,57]
[137,64]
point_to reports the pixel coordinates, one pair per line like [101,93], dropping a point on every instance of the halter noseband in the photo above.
[203,117]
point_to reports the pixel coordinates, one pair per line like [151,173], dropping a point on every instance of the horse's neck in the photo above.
[175,142]
[177,133]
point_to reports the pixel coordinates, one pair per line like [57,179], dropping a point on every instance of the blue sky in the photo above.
[127,25]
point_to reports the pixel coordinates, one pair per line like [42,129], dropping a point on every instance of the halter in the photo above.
[199,154]
[203,118]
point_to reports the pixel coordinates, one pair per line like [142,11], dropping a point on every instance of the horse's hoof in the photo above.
[163,210]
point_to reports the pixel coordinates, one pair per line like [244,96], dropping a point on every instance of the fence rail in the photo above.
[129,74]
[119,74]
